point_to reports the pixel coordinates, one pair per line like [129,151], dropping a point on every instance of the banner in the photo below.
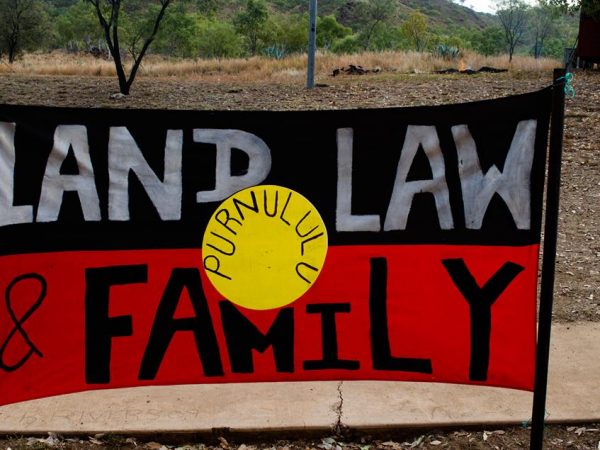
[149,247]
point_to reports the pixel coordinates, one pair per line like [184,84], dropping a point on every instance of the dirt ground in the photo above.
[556,437]
[577,287]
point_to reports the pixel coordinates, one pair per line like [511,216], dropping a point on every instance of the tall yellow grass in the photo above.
[265,69]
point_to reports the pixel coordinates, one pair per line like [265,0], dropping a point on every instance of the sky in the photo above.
[486,6]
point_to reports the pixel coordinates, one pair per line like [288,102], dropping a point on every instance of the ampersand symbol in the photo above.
[18,322]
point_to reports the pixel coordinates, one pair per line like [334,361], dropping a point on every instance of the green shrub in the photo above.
[446,51]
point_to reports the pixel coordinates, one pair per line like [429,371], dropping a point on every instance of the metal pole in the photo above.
[548,262]
[312,43]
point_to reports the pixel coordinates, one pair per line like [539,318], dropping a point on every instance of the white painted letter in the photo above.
[124,157]
[344,220]
[10,214]
[54,185]
[513,184]
[259,161]
[404,191]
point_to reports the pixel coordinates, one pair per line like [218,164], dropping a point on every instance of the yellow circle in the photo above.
[264,247]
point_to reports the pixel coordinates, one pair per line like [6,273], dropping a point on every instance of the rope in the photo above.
[566,80]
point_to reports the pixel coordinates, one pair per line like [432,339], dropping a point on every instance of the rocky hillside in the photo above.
[347,12]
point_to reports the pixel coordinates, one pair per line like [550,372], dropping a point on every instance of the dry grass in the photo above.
[265,69]
[58,63]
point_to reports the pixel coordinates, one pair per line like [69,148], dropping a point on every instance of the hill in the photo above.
[439,12]
[445,12]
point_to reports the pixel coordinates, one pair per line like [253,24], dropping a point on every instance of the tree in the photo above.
[543,18]
[346,45]
[376,13]
[389,38]
[415,30]
[218,40]
[513,18]
[178,34]
[207,8]
[61,6]
[250,23]
[330,30]
[78,25]
[590,8]
[490,41]
[109,14]
[289,34]
[22,26]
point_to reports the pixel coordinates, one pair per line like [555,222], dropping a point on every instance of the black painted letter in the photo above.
[329,335]
[380,339]
[242,337]
[99,328]
[480,300]
[165,326]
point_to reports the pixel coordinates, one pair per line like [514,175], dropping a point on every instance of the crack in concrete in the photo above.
[338,427]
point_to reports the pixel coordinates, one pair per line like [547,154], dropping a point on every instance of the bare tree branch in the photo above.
[112,37]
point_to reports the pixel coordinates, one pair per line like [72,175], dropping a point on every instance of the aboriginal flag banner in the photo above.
[151,247]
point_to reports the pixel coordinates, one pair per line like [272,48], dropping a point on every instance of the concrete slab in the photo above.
[574,381]
[573,392]
[390,405]
[194,408]
[573,396]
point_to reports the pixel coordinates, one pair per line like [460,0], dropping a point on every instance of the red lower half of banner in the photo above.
[76,321]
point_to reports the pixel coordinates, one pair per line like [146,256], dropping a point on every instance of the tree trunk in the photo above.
[111,36]
[123,85]
[12,53]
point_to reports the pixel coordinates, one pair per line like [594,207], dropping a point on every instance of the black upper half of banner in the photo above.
[86,179]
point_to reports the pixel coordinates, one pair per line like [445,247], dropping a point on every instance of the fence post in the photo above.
[548,261]
[312,43]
